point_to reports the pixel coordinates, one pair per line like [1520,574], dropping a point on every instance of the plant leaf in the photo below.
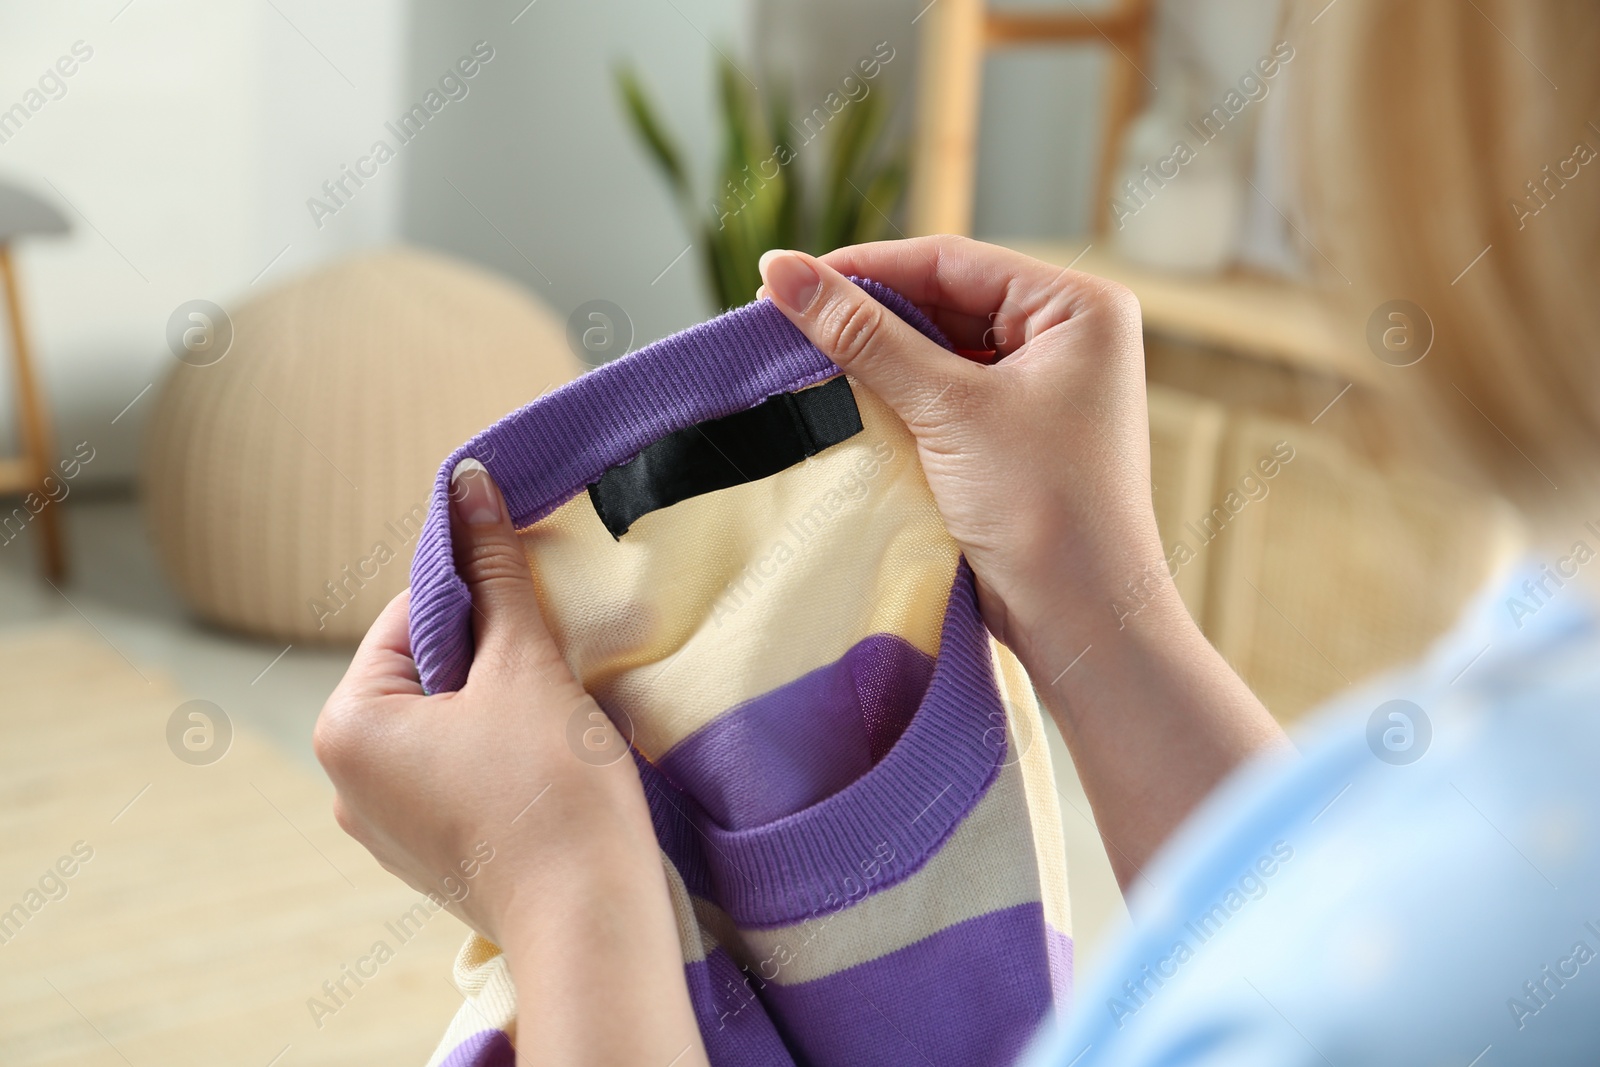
[883,194]
[650,130]
[759,199]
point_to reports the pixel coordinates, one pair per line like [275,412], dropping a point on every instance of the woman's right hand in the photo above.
[1040,466]
[1039,463]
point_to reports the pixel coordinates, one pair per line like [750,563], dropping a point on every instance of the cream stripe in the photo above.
[712,601]
[696,942]
[1038,773]
[482,977]
[471,969]
[986,865]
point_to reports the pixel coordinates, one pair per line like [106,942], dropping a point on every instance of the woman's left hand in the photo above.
[477,798]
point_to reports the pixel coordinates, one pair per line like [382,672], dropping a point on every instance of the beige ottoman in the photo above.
[285,484]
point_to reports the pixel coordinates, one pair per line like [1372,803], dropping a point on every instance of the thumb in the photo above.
[866,339]
[506,622]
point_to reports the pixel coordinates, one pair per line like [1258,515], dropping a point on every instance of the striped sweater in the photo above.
[848,777]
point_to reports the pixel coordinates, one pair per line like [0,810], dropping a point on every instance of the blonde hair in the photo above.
[1421,126]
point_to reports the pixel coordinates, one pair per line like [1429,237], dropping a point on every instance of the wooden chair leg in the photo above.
[34,419]
[1124,96]
[945,165]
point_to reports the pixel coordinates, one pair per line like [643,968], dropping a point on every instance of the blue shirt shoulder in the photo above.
[1421,886]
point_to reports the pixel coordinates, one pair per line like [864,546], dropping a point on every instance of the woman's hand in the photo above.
[478,798]
[1040,467]
[1039,463]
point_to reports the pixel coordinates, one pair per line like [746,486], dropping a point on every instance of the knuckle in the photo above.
[494,561]
[853,330]
[956,243]
[345,817]
[1120,299]
[337,739]
[329,736]
[355,826]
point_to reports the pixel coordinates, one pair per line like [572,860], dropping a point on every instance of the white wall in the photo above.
[1038,139]
[537,174]
[195,135]
[543,151]
[183,152]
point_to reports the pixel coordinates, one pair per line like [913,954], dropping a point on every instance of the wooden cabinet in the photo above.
[1308,545]
[1342,568]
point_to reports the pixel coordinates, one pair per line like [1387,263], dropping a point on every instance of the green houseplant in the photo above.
[759,199]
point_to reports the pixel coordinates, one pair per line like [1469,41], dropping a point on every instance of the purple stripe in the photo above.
[804,741]
[971,995]
[486,1048]
[875,832]
[544,453]
[734,1024]
[1059,948]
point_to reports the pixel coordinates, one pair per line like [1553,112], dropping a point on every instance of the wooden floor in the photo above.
[217,901]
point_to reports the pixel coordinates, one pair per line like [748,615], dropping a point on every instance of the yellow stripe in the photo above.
[709,603]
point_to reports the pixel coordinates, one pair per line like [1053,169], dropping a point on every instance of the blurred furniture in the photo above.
[1346,562]
[1339,569]
[22,214]
[957,36]
[1346,569]
[1353,560]
[1271,321]
[285,484]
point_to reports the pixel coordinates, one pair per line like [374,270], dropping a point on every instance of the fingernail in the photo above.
[473,495]
[791,281]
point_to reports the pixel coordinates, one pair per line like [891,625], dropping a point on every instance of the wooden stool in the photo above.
[22,214]
[956,37]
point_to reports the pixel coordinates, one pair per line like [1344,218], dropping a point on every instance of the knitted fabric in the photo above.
[848,777]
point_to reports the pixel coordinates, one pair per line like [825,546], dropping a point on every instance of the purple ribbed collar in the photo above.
[878,830]
[544,453]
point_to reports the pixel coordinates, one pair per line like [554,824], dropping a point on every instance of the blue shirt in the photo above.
[1421,887]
